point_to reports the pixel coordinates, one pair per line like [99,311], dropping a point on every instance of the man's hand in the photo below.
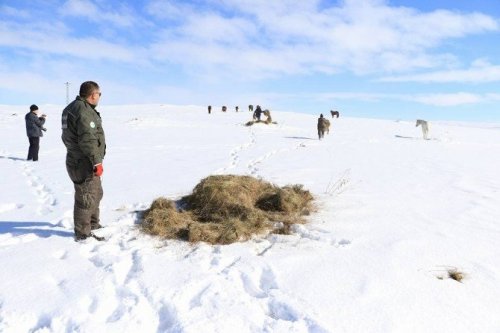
[98,170]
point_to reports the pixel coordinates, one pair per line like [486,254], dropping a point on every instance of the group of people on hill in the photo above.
[256,114]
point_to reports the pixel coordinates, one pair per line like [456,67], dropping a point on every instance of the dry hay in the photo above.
[225,209]
[163,219]
[456,275]
[451,273]
[251,122]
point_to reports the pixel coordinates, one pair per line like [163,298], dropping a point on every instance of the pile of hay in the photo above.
[225,209]
[251,122]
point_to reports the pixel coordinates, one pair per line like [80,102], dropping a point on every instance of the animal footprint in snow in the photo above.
[268,280]
[60,254]
[343,242]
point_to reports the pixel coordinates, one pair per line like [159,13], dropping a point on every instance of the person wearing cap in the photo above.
[34,128]
[83,136]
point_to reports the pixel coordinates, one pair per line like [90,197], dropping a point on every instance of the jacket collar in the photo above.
[85,101]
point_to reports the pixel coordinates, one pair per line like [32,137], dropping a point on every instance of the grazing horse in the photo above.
[425,127]
[334,113]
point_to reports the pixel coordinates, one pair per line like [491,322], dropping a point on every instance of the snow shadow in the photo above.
[40,229]
[415,138]
[299,138]
[13,158]
[406,137]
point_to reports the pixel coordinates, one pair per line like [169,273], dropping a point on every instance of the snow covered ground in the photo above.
[394,213]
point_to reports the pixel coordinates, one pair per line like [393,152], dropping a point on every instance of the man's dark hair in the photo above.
[87,88]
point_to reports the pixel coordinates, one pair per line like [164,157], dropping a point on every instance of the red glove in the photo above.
[98,170]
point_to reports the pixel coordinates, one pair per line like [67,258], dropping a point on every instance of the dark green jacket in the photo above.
[83,135]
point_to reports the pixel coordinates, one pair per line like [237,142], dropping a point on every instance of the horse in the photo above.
[425,127]
[323,126]
[334,113]
[267,113]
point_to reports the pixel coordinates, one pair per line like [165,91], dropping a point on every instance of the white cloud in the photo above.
[119,16]
[165,9]
[14,12]
[493,97]
[437,99]
[362,96]
[260,38]
[56,41]
[290,37]
[452,99]
[480,71]
[34,85]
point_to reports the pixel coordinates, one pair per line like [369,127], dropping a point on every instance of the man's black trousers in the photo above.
[34,148]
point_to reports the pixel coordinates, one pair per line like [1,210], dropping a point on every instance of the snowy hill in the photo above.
[395,213]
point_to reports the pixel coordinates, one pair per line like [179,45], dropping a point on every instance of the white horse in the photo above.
[425,127]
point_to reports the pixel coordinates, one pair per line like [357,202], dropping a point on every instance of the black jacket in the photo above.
[34,125]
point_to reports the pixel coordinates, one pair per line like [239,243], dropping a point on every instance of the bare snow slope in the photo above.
[395,212]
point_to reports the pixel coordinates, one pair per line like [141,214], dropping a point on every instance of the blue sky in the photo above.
[397,59]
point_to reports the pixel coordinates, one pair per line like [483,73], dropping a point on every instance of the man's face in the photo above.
[95,97]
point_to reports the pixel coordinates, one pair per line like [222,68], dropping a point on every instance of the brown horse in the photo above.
[323,126]
[267,113]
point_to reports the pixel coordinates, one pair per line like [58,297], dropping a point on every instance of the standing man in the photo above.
[257,113]
[83,136]
[34,128]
